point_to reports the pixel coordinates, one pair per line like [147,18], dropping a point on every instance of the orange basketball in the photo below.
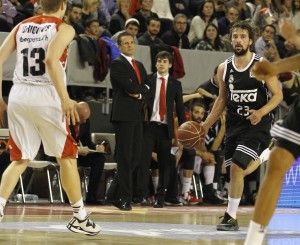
[190,134]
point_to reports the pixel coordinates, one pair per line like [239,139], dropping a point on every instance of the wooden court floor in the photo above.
[46,224]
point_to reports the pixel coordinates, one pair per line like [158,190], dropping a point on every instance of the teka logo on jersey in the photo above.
[244,95]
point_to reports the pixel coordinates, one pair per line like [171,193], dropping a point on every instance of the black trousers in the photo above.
[156,138]
[129,137]
[96,162]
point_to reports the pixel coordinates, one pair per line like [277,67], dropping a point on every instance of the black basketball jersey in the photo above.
[245,93]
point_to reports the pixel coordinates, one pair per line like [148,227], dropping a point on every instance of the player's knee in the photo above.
[236,171]
[277,163]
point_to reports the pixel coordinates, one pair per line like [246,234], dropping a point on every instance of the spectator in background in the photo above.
[4,25]
[73,18]
[225,23]
[134,7]
[177,37]
[86,158]
[117,21]
[37,10]
[8,12]
[93,28]
[244,9]
[211,40]
[163,10]
[179,7]
[295,19]
[89,10]
[206,14]
[265,45]
[143,14]
[132,26]
[150,36]
[108,7]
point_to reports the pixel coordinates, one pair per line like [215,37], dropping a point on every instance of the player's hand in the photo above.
[255,116]
[286,29]
[69,111]
[3,108]
[100,148]
[263,70]
[82,151]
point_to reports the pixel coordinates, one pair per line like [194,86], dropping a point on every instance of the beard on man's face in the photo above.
[240,51]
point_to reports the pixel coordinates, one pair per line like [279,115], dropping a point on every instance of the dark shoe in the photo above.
[158,204]
[122,205]
[94,201]
[228,223]
[145,202]
[173,202]
[210,196]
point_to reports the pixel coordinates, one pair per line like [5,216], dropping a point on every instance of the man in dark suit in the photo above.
[159,131]
[128,78]
[89,154]
[87,158]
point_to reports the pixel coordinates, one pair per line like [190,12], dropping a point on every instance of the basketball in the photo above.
[190,134]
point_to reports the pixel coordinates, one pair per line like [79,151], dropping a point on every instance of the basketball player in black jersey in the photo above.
[287,148]
[248,119]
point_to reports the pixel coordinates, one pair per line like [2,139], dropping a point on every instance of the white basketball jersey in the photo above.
[32,38]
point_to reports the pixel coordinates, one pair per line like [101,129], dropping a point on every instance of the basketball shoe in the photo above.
[228,223]
[86,226]
[189,199]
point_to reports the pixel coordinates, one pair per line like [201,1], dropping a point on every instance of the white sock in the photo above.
[264,156]
[186,184]
[155,182]
[233,204]
[215,186]
[255,234]
[79,210]
[2,205]
[208,172]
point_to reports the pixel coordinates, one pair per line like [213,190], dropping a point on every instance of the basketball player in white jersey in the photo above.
[287,148]
[39,108]
[248,119]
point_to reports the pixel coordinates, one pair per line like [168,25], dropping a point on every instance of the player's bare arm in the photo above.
[6,49]
[277,96]
[55,50]
[289,32]
[220,102]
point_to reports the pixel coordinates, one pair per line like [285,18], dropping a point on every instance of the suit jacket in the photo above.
[124,81]
[173,95]
[84,134]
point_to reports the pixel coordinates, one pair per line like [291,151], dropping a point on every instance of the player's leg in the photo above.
[279,163]
[58,142]
[20,149]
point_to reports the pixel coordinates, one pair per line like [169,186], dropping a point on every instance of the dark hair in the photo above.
[123,34]
[164,55]
[90,21]
[76,5]
[218,43]
[201,7]
[269,25]
[148,20]
[244,25]
[197,104]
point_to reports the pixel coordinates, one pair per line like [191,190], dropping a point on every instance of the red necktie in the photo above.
[162,99]
[76,131]
[137,71]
